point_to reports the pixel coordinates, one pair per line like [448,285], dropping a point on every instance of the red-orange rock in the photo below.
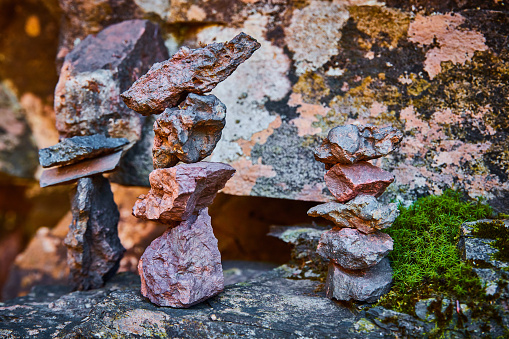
[345,182]
[181,191]
[183,266]
[188,71]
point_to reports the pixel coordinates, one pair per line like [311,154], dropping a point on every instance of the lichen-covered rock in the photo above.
[75,149]
[94,249]
[188,71]
[181,191]
[87,96]
[345,182]
[361,285]
[354,250]
[182,267]
[351,143]
[190,132]
[364,213]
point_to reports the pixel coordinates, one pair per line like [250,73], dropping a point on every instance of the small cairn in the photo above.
[183,266]
[358,267]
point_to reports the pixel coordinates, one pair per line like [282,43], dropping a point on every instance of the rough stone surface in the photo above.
[345,182]
[182,267]
[351,143]
[94,249]
[361,285]
[181,191]
[75,149]
[354,250]
[94,74]
[364,213]
[190,132]
[188,71]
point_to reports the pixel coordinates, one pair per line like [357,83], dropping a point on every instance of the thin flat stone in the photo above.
[345,182]
[76,149]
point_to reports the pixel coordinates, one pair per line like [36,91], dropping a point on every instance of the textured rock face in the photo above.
[183,266]
[350,143]
[196,71]
[190,132]
[365,285]
[345,182]
[75,149]
[94,249]
[354,250]
[181,191]
[364,213]
[94,74]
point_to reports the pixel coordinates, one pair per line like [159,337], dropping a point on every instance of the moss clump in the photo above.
[496,230]
[425,260]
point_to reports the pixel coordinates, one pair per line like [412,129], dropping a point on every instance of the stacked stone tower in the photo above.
[183,266]
[357,250]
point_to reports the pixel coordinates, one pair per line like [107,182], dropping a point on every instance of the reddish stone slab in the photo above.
[181,191]
[183,266]
[188,71]
[345,182]
[70,173]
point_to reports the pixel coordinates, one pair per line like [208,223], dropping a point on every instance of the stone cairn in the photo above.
[358,267]
[183,266]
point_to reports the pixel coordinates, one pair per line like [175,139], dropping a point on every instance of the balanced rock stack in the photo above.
[183,266]
[357,250]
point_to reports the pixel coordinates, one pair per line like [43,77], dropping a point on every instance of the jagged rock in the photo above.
[75,149]
[188,71]
[361,285]
[94,249]
[350,143]
[364,213]
[345,182]
[87,96]
[190,132]
[181,191]
[354,250]
[182,267]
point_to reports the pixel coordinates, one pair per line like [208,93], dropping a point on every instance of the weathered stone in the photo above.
[182,267]
[85,168]
[94,74]
[345,182]
[94,249]
[190,132]
[181,191]
[188,71]
[364,213]
[75,149]
[354,250]
[360,285]
[351,143]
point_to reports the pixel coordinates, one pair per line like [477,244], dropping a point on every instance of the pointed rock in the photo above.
[364,213]
[94,249]
[360,285]
[190,132]
[351,143]
[345,182]
[188,71]
[181,191]
[183,266]
[352,249]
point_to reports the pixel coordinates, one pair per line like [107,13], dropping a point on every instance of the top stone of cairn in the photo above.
[189,71]
[350,143]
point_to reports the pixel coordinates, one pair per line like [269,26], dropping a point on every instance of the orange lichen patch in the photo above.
[258,137]
[33,26]
[245,178]
[313,193]
[456,45]
[41,119]
[308,115]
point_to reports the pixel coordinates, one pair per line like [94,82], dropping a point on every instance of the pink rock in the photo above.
[181,191]
[345,182]
[182,267]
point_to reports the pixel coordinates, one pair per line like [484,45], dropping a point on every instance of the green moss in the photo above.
[496,230]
